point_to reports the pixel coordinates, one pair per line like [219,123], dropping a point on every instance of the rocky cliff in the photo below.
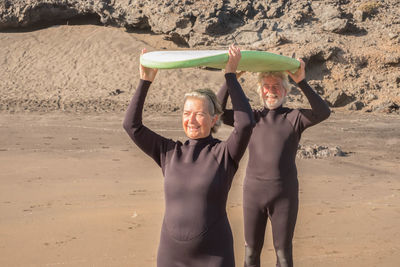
[352,48]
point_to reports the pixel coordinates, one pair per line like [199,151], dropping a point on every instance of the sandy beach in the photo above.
[75,191]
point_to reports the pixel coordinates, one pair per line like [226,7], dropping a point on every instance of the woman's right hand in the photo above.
[234,58]
[147,74]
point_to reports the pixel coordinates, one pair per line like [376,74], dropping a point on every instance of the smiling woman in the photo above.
[198,173]
[201,112]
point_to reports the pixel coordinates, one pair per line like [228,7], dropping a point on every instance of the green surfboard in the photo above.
[253,61]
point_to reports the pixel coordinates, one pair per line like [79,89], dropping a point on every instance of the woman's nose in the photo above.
[192,117]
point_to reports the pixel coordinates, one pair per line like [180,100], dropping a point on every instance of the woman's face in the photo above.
[272,92]
[196,119]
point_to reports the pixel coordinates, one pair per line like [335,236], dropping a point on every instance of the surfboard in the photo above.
[253,61]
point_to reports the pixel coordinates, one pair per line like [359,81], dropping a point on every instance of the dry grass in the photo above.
[370,7]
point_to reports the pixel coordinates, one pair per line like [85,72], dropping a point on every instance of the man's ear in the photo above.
[284,92]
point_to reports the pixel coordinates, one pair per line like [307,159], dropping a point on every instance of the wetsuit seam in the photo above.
[294,131]
[202,233]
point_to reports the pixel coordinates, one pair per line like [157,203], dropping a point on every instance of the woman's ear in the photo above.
[214,120]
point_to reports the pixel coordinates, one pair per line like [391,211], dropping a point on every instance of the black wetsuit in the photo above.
[198,175]
[270,187]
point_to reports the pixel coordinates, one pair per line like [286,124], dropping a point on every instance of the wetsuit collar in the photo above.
[200,140]
[275,110]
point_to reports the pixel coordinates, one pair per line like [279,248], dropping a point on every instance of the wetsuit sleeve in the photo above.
[319,108]
[151,143]
[222,95]
[243,119]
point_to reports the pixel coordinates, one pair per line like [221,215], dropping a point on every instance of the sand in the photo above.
[75,191]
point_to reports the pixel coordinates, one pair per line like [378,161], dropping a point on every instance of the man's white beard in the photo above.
[274,105]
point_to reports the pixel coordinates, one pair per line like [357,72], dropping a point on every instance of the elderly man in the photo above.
[270,189]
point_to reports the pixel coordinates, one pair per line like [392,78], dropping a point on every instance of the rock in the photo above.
[392,35]
[317,151]
[273,12]
[388,107]
[244,37]
[339,99]
[329,13]
[320,53]
[177,38]
[164,24]
[137,22]
[336,25]
[276,39]
[392,59]
[249,33]
[357,105]
[317,85]
[359,16]
[370,97]
[116,92]
[257,26]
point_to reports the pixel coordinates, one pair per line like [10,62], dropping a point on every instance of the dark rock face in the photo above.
[191,22]
[339,99]
[356,105]
[318,151]
[351,47]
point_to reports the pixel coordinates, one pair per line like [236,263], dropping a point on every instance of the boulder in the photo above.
[356,105]
[359,16]
[388,107]
[339,99]
[336,25]
[318,151]
[329,13]
[392,59]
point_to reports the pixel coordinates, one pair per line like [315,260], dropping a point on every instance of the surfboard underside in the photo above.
[253,61]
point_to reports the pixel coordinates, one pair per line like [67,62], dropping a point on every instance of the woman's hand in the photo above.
[300,74]
[234,58]
[147,74]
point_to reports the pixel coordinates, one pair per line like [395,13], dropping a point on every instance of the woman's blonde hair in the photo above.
[214,107]
[276,74]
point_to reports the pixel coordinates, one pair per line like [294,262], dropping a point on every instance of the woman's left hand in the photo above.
[300,74]
[147,74]
[234,58]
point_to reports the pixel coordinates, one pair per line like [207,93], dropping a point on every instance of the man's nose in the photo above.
[267,90]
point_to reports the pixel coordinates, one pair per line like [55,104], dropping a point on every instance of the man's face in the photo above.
[272,92]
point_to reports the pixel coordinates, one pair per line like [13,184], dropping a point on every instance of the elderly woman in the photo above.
[270,187]
[197,173]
